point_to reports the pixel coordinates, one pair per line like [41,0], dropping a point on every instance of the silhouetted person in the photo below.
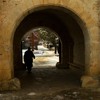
[28,59]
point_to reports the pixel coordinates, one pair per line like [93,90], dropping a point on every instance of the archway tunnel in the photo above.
[66,27]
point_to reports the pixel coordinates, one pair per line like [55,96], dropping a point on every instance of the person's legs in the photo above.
[29,67]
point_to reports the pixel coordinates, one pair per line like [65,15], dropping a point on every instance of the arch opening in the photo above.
[44,44]
[62,22]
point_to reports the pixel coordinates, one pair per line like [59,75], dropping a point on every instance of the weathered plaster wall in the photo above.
[13,11]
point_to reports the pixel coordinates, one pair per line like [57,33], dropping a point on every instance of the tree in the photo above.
[47,35]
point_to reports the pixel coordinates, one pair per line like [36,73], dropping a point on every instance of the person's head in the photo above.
[29,48]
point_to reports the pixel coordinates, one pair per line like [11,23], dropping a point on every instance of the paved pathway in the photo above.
[46,82]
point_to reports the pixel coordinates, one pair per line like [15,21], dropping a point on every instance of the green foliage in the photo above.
[47,35]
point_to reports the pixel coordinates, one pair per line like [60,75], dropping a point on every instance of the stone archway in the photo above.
[76,30]
[51,17]
[61,21]
[83,17]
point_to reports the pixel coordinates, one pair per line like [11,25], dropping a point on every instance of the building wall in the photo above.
[13,11]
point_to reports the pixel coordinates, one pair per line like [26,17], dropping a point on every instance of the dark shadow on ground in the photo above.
[50,84]
[48,80]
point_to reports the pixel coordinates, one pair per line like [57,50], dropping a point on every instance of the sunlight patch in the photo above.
[31,93]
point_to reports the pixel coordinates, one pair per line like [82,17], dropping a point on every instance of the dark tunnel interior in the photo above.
[61,22]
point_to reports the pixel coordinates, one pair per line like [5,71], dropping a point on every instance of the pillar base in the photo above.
[90,82]
[13,84]
[62,66]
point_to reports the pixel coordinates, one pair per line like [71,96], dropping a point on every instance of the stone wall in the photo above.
[13,11]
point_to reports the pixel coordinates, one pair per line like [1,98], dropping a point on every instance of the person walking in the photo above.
[28,59]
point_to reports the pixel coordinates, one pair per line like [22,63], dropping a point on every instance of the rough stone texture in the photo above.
[13,84]
[90,82]
[13,11]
